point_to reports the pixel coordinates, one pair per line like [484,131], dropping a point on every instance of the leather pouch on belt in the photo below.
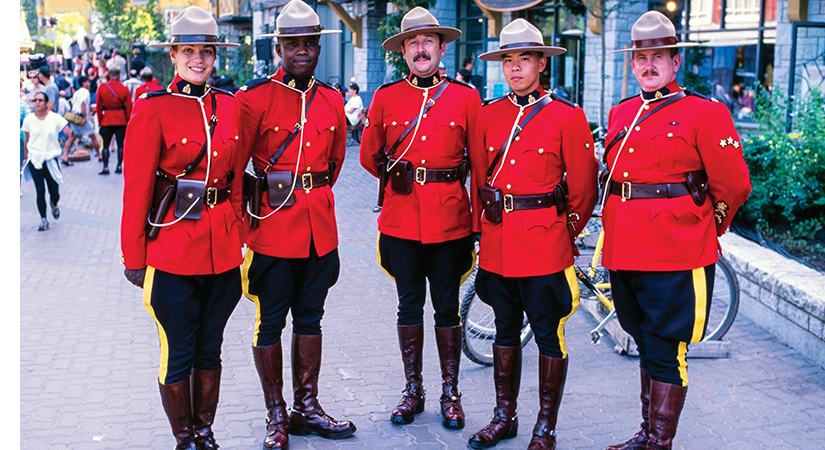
[189,198]
[697,184]
[560,197]
[401,177]
[162,199]
[491,202]
[280,188]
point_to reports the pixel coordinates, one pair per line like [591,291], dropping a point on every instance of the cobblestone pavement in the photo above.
[89,355]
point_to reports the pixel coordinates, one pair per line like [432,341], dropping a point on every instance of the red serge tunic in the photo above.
[168,130]
[692,134]
[113,109]
[433,212]
[269,110]
[556,142]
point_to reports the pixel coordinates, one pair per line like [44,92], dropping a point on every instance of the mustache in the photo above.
[650,72]
[422,55]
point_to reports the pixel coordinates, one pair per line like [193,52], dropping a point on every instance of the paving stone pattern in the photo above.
[89,355]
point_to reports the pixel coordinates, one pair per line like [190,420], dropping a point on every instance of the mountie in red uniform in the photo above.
[288,232]
[114,108]
[292,259]
[555,145]
[693,134]
[167,131]
[425,224]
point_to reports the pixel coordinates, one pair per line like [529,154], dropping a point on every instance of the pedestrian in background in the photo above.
[136,63]
[292,256]
[149,83]
[40,152]
[114,108]
[81,104]
[132,83]
[545,178]
[677,177]
[117,62]
[44,74]
[425,224]
[186,137]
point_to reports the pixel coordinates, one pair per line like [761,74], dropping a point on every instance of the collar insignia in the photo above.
[415,81]
[435,80]
[187,89]
[291,83]
[659,95]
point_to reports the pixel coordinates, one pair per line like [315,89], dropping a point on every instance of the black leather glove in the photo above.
[135,277]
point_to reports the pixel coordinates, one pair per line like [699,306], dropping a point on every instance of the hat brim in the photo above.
[546,50]
[315,33]
[679,45]
[396,43]
[172,44]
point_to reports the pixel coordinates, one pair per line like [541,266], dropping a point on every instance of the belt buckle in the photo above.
[211,196]
[306,182]
[420,175]
[508,208]
[626,190]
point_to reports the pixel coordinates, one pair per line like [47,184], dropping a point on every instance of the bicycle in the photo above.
[477,318]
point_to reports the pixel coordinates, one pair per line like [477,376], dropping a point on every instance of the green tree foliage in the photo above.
[237,62]
[124,24]
[391,25]
[787,169]
[694,59]
[28,8]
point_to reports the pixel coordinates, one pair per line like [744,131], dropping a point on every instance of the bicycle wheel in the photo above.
[478,324]
[725,302]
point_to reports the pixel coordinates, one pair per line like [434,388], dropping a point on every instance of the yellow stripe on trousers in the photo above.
[378,252]
[164,343]
[573,284]
[700,292]
[247,262]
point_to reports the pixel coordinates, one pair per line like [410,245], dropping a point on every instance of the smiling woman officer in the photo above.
[182,142]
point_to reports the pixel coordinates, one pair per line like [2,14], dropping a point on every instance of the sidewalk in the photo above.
[89,355]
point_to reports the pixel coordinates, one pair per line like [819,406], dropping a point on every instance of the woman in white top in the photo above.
[40,151]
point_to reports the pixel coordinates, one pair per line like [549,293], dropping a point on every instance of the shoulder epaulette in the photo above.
[493,100]
[155,93]
[222,91]
[390,83]
[453,80]
[254,83]
[628,98]
[321,83]
[696,94]
[563,100]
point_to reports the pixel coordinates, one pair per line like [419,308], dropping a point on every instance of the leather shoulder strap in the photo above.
[441,88]
[295,129]
[544,101]
[669,101]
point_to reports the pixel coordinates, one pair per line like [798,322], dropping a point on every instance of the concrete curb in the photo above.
[780,295]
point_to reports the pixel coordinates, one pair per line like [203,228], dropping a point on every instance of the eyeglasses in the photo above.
[35,100]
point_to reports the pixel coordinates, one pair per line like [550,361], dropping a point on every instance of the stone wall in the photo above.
[617,29]
[809,41]
[782,296]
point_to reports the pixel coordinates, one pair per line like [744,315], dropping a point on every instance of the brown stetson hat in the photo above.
[194,26]
[419,21]
[521,36]
[653,30]
[298,19]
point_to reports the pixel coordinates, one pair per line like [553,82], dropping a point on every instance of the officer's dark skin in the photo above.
[299,55]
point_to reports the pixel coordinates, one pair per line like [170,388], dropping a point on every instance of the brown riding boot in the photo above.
[269,362]
[507,373]
[666,403]
[449,352]
[639,441]
[411,342]
[206,385]
[176,403]
[307,415]
[552,375]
